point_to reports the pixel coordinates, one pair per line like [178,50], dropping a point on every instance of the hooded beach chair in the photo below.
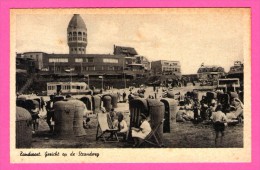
[153,137]
[104,131]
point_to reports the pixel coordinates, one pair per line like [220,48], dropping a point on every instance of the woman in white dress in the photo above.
[142,132]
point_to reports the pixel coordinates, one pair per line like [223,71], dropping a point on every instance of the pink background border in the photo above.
[5,63]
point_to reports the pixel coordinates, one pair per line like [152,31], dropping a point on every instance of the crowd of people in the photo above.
[216,107]
[190,108]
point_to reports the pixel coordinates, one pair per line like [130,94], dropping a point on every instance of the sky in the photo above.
[191,36]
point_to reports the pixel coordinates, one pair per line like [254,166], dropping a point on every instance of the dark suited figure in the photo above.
[50,112]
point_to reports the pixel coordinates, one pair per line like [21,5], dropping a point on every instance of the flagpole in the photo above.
[70,75]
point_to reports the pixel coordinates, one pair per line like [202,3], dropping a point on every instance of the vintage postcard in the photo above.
[124,85]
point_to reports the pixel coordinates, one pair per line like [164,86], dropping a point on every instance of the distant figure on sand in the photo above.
[124,96]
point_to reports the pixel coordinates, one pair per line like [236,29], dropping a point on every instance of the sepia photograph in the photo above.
[135,79]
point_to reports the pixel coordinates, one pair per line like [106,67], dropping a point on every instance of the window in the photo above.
[57,68]
[110,60]
[118,68]
[90,60]
[91,68]
[78,60]
[79,33]
[174,64]
[110,68]
[50,87]
[78,68]
[80,38]
[58,60]
[74,33]
[74,38]
[84,39]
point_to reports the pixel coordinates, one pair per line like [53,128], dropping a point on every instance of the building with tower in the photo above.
[125,61]
[77,35]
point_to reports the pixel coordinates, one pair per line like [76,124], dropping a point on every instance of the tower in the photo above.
[77,35]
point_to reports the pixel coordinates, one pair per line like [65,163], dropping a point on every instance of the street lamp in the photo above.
[88,80]
[124,73]
[102,82]
[87,77]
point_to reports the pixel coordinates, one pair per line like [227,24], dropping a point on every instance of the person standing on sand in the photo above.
[50,112]
[118,96]
[124,96]
[219,122]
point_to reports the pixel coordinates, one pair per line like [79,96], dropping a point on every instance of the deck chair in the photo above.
[153,137]
[103,129]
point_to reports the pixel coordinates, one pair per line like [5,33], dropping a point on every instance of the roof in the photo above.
[84,55]
[28,97]
[209,66]
[124,50]
[135,65]
[22,114]
[213,68]
[33,52]
[66,83]
[174,61]
[77,22]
